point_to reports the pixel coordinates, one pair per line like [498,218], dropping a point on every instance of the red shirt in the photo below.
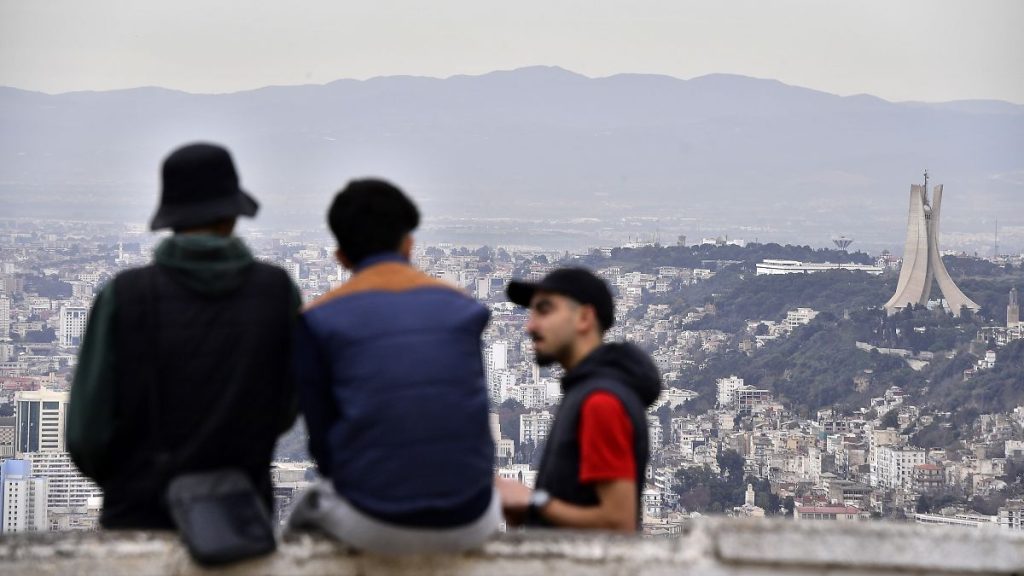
[606,440]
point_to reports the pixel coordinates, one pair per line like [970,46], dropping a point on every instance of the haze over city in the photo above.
[613,129]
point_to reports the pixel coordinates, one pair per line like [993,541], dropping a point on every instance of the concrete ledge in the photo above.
[709,546]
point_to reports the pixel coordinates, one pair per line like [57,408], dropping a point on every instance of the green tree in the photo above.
[891,419]
[923,504]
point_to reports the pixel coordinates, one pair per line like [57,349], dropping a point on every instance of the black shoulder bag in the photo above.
[219,513]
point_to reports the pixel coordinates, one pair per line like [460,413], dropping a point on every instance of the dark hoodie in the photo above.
[628,373]
[213,299]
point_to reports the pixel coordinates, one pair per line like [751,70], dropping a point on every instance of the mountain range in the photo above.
[538,142]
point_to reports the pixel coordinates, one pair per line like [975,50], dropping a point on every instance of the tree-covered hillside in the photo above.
[649,258]
[817,365]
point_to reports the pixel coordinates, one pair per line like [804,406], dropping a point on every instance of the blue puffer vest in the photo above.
[393,390]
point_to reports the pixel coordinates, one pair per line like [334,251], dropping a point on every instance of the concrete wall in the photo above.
[713,546]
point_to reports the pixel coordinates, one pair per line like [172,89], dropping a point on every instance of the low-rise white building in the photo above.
[832,513]
[768,267]
[961,520]
[799,317]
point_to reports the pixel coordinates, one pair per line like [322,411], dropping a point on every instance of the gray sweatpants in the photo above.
[321,507]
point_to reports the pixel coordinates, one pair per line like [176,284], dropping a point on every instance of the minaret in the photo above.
[1013,310]
[750,495]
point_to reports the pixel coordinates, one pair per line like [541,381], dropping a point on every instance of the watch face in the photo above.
[539,498]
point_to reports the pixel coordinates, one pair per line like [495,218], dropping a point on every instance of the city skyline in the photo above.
[788,389]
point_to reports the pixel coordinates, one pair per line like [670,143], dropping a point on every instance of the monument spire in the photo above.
[922,261]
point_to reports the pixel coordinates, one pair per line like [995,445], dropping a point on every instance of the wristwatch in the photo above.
[538,500]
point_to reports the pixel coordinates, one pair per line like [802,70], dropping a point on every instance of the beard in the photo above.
[544,360]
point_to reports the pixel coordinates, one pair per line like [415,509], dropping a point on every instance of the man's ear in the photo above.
[587,320]
[405,248]
[340,255]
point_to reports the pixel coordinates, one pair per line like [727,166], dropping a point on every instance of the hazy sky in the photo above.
[929,50]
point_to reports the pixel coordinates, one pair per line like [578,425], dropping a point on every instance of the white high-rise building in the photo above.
[23,505]
[5,317]
[530,395]
[40,421]
[499,355]
[495,423]
[1011,516]
[534,427]
[500,386]
[67,488]
[72,325]
[499,377]
[727,388]
[1012,310]
[876,440]
[294,270]
[7,428]
[6,350]
[895,466]
[483,288]
[655,432]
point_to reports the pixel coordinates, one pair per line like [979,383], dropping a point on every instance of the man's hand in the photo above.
[515,499]
[616,509]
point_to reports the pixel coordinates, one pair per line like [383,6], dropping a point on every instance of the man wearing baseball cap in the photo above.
[186,363]
[592,470]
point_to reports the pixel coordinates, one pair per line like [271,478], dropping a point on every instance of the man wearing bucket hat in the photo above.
[185,363]
[592,471]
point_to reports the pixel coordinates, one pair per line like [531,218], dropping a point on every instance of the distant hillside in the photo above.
[816,366]
[649,258]
[997,390]
[527,143]
[813,368]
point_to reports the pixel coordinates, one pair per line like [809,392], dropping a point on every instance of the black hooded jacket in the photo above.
[628,373]
[186,359]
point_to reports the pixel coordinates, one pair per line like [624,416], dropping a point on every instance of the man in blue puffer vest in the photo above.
[391,384]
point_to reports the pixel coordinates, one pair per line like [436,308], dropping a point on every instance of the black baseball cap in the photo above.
[579,284]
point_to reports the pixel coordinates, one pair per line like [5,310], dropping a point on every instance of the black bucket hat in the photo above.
[579,284]
[200,186]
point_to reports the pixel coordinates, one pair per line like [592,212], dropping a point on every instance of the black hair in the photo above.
[369,217]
